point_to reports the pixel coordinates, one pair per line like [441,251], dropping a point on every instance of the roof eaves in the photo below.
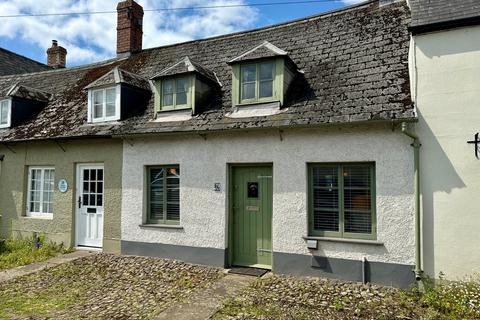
[444,25]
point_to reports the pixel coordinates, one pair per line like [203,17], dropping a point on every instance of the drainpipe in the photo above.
[418,232]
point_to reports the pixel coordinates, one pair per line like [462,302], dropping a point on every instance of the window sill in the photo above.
[45,217]
[161,226]
[274,102]
[345,240]
[187,107]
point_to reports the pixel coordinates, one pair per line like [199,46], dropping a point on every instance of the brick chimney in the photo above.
[129,27]
[56,55]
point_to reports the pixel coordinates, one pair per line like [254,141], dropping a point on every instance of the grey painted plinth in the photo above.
[390,274]
[196,255]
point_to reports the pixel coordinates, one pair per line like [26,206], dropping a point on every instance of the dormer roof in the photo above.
[263,50]
[186,65]
[23,92]
[117,76]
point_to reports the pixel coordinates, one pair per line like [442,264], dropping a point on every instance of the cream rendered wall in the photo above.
[205,162]
[446,66]
[13,186]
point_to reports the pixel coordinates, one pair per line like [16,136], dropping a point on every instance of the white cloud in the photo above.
[93,37]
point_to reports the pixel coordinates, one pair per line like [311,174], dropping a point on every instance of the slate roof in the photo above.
[24,92]
[353,66]
[12,63]
[431,15]
[186,65]
[263,50]
[116,76]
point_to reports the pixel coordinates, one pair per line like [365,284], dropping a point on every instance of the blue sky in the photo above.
[92,38]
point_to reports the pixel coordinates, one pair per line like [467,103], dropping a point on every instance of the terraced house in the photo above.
[445,69]
[278,148]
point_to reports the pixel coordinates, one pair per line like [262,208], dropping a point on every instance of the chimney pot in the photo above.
[129,27]
[56,55]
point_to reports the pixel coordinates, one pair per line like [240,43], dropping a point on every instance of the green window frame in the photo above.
[175,93]
[257,81]
[342,200]
[163,195]
[251,80]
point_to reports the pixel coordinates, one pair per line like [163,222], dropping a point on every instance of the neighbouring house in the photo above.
[445,69]
[12,63]
[283,148]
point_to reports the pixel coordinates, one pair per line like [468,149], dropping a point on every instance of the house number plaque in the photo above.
[62,185]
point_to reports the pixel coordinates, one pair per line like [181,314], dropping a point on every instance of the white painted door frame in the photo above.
[89,205]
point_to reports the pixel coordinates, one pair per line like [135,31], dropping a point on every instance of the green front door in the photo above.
[252,216]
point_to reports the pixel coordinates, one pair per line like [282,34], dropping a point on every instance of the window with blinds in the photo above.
[342,201]
[164,195]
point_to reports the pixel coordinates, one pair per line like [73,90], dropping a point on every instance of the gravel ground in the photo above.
[103,286]
[278,297]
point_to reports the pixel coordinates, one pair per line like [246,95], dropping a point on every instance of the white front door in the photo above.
[90,199]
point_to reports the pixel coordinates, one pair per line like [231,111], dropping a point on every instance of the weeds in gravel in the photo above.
[103,286]
[452,299]
[19,252]
[294,298]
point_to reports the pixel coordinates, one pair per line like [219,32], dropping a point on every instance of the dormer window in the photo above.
[117,95]
[5,110]
[184,87]
[105,104]
[261,76]
[176,93]
[257,80]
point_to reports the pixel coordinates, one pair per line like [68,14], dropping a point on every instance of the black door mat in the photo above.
[254,272]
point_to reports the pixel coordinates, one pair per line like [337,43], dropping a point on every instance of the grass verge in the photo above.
[20,252]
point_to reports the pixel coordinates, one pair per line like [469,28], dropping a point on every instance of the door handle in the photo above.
[79,202]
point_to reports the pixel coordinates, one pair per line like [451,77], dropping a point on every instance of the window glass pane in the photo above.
[167,100]
[156,193]
[249,73]
[248,91]
[173,194]
[182,85]
[357,199]
[4,112]
[325,220]
[181,89]
[110,107]
[167,86]
[266,89]
[266,71]
[325,177]
[181,98]
[98,104]
[325,198]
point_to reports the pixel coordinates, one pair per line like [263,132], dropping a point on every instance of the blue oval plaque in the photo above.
[63,185]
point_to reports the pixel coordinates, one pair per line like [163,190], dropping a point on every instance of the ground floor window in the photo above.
[342,200]
[40,191]
[163,194]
